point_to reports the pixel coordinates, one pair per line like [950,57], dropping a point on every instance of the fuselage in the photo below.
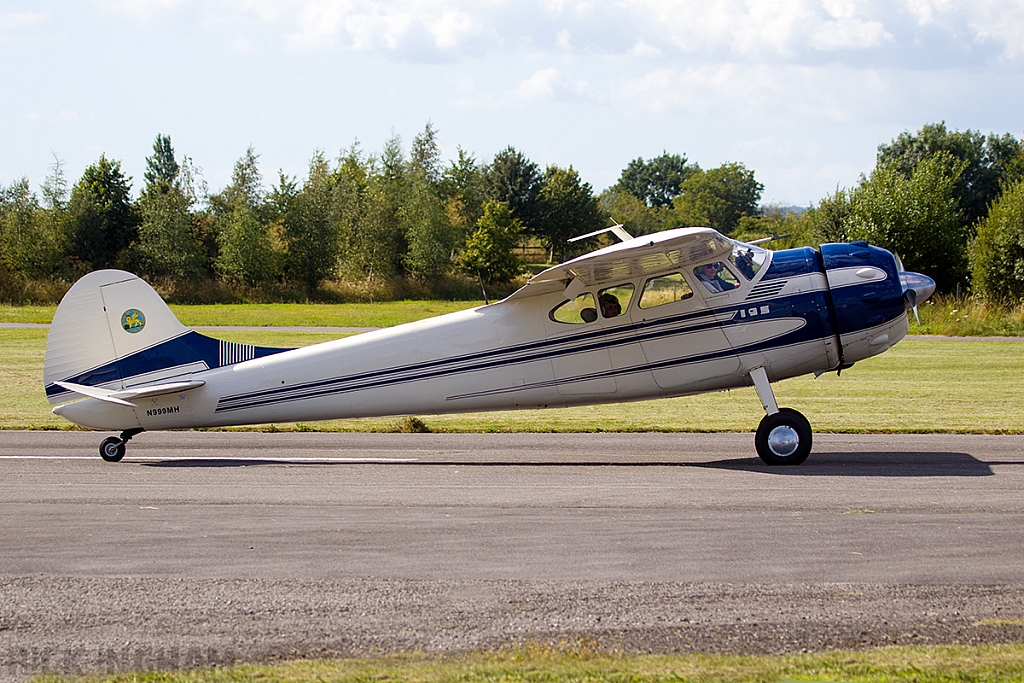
[803,311]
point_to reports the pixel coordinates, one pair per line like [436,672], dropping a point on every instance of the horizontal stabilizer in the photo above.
[122,397]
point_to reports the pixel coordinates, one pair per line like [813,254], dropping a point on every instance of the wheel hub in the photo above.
[783,441]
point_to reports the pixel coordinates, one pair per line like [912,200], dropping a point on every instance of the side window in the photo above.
[615,300]
[716,277]
[579,310]
[663,290]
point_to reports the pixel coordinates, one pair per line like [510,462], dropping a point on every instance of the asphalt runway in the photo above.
[216,547]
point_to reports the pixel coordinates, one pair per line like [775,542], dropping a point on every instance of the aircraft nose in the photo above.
[916,288]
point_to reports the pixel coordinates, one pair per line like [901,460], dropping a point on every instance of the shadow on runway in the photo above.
[862,464]
[869,464]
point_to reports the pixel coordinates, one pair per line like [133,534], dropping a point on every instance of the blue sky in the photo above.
[801,91]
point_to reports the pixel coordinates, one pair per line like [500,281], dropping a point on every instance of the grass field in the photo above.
[975,664]
[918,386]
[941,315]
[383,314]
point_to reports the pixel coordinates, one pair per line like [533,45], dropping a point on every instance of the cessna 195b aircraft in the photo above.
[678,312]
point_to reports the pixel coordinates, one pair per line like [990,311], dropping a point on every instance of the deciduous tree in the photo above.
[656,182]
[987,162]
[490,250]
[997,251]
[431,236]
[718,197]
[248,252]
[512,178]
[311,223]
[635,216]
[169,243]
[918,217]
[102,218]
[566,208]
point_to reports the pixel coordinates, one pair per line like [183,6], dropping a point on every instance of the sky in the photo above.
[800,91]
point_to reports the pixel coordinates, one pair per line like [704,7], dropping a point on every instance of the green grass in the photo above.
[943,664]
[26,314]
[941,315]
[917,386]
[968,317]
[384,314]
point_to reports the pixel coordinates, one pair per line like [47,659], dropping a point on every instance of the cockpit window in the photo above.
[747,258]
[663,290]
[615,300]
[577,311]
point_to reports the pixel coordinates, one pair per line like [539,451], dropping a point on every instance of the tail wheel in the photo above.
[783,438]
[112,449]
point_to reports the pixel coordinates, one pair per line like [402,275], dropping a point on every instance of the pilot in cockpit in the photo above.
[610,306]
[709,274]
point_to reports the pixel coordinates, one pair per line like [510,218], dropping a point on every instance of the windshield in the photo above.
[747,258]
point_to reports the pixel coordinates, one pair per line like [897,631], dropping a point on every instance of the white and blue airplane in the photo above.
[678,312]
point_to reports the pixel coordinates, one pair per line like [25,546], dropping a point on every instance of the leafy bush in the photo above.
[997,251]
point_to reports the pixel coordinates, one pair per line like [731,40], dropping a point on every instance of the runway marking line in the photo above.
[149,458]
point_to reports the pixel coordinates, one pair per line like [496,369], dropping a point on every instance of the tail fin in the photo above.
[113,331]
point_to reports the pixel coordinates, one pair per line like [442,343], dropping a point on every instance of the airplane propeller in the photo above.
[916,288]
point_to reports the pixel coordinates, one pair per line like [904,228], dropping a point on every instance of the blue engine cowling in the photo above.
[868,299]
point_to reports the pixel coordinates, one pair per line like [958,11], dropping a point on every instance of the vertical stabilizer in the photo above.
[112,331]
[106,316]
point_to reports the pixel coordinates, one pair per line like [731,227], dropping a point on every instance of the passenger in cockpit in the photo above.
[610,307]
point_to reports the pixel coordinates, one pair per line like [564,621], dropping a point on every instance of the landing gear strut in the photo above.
[112,448]
[784,435]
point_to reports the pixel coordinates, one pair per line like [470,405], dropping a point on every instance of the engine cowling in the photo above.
[868,297]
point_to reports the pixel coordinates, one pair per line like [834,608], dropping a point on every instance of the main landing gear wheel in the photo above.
[112,449]
[783,438]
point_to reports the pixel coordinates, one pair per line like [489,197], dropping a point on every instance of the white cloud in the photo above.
[1001,22]
[793,31]
[12,21]
[549,84]
[742,92]
[847,33]
[423,29]
[644,50]
[142,8]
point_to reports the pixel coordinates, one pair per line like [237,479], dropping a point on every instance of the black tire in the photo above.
[783,438]
[112,449]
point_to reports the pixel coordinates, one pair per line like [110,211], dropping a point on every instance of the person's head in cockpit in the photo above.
[709,275]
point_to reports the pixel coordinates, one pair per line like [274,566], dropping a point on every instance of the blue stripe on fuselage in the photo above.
[190,347]
[809,306]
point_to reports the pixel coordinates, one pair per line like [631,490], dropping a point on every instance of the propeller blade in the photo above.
[916,288]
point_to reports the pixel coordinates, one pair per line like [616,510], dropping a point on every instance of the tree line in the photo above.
[950,203]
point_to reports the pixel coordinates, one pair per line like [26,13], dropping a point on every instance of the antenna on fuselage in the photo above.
[616,230]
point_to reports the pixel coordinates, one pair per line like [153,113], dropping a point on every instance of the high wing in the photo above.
[626,260]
